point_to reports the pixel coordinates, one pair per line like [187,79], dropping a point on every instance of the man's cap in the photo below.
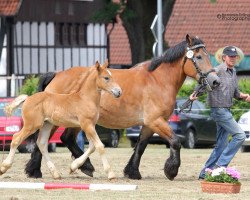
[230,51]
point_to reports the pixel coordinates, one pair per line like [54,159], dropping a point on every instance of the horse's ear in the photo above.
[106,64]
[97,65]
[189,40]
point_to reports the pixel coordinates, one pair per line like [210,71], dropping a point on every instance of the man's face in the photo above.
[230,60]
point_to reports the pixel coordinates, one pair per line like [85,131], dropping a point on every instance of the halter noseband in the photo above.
[190,55]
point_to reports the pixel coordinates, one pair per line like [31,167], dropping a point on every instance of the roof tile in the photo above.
[9,7]
[120,52]
[211,22]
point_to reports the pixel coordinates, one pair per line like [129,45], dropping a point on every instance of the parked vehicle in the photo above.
[11,125]
[109,137]
[244,123]
[193,128]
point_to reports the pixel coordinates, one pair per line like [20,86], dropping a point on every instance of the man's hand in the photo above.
[193,96]
[248,98]
[245,97]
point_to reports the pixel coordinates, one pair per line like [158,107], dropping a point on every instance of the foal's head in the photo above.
[105,80]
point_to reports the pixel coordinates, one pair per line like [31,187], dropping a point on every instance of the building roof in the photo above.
[120,51]
[217,24]
[9,7]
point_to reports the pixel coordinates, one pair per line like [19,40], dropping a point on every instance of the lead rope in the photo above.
[189,103]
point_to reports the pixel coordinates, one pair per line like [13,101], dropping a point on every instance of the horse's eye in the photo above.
[199,57]
[106,78]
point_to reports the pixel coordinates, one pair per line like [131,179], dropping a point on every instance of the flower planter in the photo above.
[215,187]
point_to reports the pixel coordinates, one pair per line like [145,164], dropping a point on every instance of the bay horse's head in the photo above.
[194,60]
[197,64]
[105,81]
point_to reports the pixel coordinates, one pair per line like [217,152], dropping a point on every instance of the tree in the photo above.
[137,17]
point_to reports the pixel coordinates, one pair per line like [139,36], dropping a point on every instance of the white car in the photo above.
[244,123]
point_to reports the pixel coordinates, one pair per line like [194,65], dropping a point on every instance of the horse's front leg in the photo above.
[132,168]
[42,143]
[69,139]
[79,161]
[173,163]
[92,136]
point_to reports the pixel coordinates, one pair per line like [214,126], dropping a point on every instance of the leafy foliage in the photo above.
[241,107]
[187,89]
[108,13]
[222,175]
[30,86]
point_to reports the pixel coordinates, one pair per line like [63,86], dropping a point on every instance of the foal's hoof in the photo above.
[71,171]
[56,175]
[3,169]
[73,167]
[111,176]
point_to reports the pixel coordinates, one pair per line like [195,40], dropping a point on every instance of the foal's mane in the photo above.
[173,54]
[84,78]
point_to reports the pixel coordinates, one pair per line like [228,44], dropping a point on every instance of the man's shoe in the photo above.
[201,178]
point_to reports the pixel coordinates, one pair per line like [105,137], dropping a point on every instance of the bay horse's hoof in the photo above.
[87,168]
[132,173]
[171,169]
[88,172]
[34,174]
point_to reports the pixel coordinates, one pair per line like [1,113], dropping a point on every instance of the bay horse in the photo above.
[43,110]
[149,94]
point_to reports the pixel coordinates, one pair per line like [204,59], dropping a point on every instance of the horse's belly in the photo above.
[119,119]
[63,123]
[63,120]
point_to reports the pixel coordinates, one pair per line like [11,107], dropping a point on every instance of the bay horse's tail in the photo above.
[9,108]
[44,80]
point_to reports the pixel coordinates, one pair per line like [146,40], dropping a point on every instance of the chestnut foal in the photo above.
[43,110]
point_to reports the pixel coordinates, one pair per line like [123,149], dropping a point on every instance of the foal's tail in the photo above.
[9,108]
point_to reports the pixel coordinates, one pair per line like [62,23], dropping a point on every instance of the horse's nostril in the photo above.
[216,83]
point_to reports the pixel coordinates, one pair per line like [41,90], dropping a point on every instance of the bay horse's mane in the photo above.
[172,54]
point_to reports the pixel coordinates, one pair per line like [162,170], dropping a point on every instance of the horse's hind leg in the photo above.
[69,139]
[17,139]
[42,143]
[33,166]
[132,168]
